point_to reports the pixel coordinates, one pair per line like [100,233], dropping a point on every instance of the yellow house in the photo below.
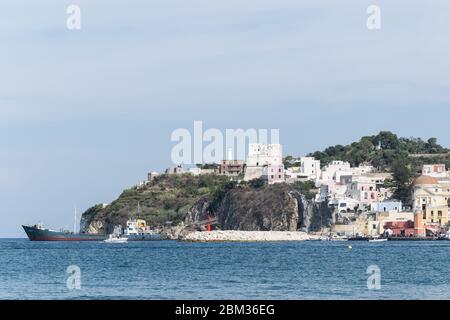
[431,197]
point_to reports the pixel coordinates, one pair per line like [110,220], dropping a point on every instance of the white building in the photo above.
[273,174]
[261,156]
[310,167]
[362,170]
[386,206]
[334,170]
[435,170]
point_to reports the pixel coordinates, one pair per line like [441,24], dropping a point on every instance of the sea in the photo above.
[251,271]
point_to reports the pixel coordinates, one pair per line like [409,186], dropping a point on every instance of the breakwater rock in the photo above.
[245,236]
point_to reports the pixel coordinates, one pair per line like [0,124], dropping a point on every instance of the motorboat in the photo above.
[116,239]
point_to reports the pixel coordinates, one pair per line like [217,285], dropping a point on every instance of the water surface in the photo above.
[175,270]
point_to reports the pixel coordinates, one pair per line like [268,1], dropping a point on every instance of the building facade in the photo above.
[435,171]
[273,174]
[231,167]
[261,156]
[431,198]
[310,168]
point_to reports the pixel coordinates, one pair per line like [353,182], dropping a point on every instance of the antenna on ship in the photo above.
[75,222]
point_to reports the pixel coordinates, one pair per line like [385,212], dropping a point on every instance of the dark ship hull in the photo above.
[36,233]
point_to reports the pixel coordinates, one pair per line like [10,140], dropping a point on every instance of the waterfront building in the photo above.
[419,228]
[431,198]
[391,223]
[400,228]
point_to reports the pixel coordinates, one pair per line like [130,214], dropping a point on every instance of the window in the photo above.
[439,213]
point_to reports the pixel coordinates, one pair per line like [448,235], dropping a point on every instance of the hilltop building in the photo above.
[334,170]
[231,167]
[438,171]
[263,160]
[310,168]
[273,174]
[175,170]
[152,175]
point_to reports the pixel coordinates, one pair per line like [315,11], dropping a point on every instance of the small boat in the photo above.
[338,238]
[378,240]
[115,239]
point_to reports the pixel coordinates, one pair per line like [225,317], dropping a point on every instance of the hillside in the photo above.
[165,198]
[252,205]
[404,157]
[384,149]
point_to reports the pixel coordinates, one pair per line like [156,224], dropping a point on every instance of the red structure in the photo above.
[401,228]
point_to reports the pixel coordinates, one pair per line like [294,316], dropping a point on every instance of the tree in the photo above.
[401,180]
[257,183]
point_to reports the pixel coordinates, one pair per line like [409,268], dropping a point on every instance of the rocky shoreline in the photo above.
[245,236]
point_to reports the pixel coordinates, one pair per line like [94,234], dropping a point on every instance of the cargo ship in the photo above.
[38,233]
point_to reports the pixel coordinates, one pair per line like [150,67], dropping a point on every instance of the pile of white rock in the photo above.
[245,236]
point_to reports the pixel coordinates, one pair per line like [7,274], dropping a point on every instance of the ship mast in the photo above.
[75,222]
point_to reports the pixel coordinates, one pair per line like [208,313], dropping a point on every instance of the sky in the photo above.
[87,113]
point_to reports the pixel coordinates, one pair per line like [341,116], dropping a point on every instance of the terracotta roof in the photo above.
[425,180]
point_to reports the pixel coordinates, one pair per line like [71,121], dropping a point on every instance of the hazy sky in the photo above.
[86,113]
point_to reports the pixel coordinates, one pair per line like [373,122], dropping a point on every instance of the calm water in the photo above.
[173,270]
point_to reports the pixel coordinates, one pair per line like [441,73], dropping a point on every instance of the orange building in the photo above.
[419,228]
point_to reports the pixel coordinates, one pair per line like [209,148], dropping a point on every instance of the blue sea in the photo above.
[176,270]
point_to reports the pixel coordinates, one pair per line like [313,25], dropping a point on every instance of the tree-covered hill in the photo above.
[385,149]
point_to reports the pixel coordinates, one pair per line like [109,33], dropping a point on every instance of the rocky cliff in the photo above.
[186,199]
[278,207]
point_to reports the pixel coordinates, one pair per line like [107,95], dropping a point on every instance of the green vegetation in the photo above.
[165,198]
[307,188]
[384,149]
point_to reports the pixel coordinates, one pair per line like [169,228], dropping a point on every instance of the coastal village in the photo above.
[359,197]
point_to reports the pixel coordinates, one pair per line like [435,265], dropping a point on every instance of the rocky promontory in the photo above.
[177,203]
